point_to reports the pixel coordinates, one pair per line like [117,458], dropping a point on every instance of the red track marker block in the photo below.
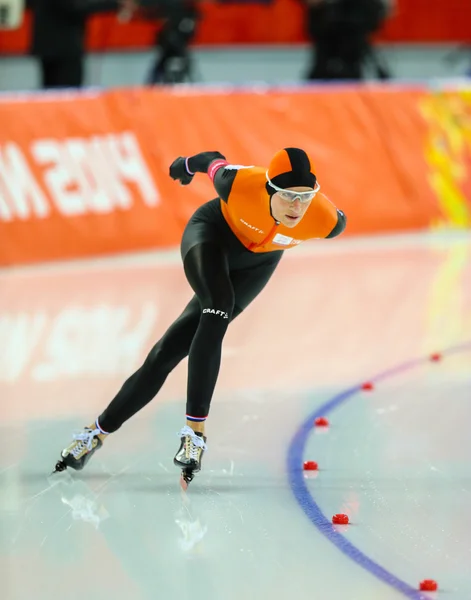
[428,585]
[310,465]
[340,520]
[321,422]
[367,386]
[435,357]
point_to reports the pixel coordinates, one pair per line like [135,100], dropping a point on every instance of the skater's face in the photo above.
[289,208]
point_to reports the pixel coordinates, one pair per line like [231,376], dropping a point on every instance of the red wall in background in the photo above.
[413,21]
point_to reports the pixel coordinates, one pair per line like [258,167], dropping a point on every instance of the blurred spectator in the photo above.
[59,37]
[173,63]
[181,17]
[340,31]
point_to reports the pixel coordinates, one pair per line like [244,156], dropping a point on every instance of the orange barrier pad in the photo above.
[87,174]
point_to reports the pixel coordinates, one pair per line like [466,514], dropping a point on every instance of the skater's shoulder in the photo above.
[325,218]
[249,179]
[246,173]
[239,180]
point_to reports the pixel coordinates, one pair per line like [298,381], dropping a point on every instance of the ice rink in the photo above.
[338,313]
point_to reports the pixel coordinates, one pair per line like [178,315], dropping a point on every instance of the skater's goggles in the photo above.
[291,195]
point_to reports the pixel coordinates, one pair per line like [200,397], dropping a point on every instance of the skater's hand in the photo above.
[178,171]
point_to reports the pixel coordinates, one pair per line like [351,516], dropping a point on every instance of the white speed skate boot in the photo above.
[80,451]
[190,454]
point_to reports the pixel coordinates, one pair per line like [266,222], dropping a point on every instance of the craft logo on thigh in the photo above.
[221,313]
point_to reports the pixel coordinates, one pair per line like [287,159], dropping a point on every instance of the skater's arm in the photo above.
[213,164]
[223,178]
[221,173]
[340,225]
[327,221]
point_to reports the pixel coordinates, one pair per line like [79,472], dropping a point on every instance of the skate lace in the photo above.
[85,440]
[195,441]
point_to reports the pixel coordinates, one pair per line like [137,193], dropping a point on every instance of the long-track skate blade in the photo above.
[60,466]
[185,479]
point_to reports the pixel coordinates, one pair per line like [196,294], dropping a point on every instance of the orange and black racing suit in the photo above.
[230,248]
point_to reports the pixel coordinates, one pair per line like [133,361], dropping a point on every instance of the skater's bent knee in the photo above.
[223,314]
[219,304]
[223,310]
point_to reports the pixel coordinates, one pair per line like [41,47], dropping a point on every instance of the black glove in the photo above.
[199,163]
[178,171]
